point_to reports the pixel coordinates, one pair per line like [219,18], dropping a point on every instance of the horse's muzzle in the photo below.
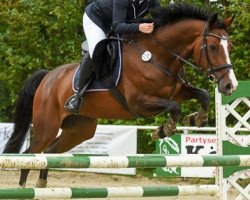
[226,87]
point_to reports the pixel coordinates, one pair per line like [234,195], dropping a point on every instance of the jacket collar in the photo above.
[139,10]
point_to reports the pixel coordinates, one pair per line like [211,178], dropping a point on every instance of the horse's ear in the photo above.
[212,20]
[228,22]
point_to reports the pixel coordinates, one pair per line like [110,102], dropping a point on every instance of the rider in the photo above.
[100,18]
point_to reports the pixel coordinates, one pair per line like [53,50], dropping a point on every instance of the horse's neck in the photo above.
[180,35]
[180,39]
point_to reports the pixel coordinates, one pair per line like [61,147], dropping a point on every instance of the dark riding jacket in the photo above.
[112,14]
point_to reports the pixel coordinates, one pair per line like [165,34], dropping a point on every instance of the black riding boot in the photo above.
[74,103]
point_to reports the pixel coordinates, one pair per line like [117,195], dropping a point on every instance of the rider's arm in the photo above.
[119,17]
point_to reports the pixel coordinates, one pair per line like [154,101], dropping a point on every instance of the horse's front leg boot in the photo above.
[201,118]
[158,134]
[41,183]
[198,119]
[189,120]
[169,128]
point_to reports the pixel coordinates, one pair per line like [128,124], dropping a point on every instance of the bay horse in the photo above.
[149,87]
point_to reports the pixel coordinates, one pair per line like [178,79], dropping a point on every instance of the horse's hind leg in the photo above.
[38,144]
[76,129]
[44,133]
[199,118]
[24,174]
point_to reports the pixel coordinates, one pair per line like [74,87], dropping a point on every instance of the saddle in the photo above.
[104,57]
[107,64]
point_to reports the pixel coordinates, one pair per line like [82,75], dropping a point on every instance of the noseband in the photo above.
[211,69]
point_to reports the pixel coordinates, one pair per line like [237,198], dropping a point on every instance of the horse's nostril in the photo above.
[229,86]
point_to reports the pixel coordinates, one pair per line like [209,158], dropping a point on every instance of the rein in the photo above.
[178,57]
[211,69]
[162,68]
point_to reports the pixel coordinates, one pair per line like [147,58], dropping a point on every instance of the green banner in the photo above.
[169,146]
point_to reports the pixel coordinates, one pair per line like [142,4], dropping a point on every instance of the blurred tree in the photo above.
[36,35]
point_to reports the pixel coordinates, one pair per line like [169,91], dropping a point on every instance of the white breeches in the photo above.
[93,33]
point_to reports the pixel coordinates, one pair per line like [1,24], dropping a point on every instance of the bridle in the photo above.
[211,68]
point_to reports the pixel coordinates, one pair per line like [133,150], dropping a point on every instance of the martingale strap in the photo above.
[121,99]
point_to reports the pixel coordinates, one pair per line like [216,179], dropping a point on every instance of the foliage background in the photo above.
[46,34]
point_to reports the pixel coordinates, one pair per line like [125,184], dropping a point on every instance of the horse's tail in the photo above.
[23,113]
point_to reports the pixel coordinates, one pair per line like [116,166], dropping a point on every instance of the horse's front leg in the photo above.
[168,129]
[152,104]
[199,118]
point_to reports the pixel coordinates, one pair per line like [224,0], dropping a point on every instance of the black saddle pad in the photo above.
[107,82]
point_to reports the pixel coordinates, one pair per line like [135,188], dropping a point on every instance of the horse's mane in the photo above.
[176,12]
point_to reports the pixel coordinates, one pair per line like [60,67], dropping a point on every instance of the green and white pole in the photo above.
[108,192]
[43,161]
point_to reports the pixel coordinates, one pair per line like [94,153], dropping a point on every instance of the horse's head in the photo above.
[211,53]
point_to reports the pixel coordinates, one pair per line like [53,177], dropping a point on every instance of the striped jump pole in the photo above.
[44,161]
[108,192]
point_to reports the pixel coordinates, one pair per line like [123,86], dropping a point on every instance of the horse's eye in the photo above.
[212,47]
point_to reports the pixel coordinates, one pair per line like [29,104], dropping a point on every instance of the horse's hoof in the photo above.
[23,185]
[41,183]
[155,135]
[196,119]
[189,120]
[169,128]
[158,134]
[202,118]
